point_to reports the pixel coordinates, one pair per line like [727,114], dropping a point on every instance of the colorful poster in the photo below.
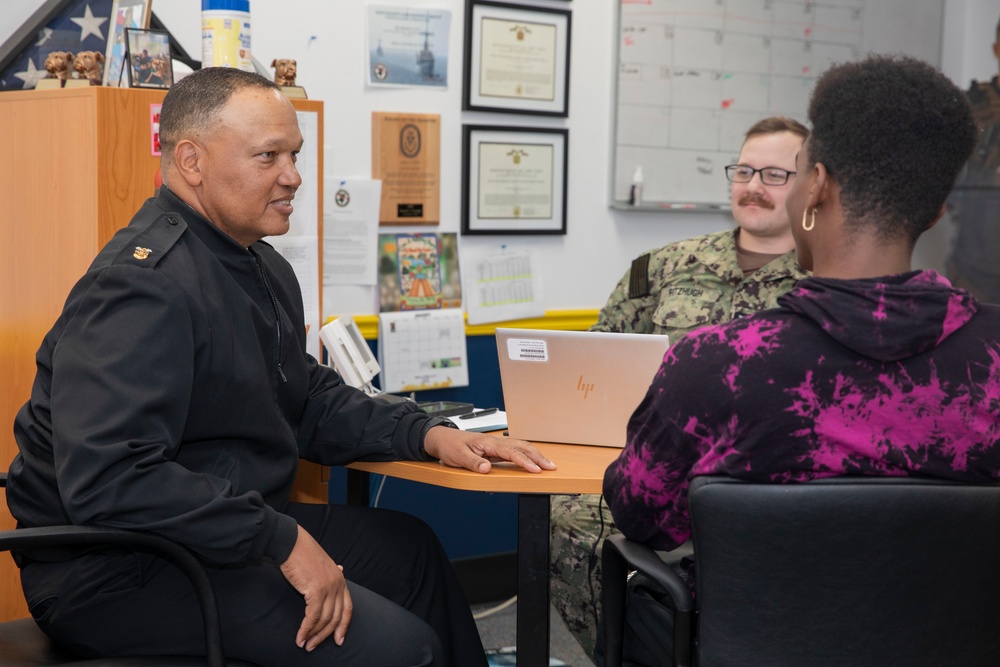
[418,272]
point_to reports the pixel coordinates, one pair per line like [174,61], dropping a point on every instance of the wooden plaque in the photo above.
[406,156]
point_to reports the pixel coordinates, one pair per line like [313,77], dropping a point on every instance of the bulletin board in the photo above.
[693,75]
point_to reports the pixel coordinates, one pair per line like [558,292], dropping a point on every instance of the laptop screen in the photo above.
[578,387]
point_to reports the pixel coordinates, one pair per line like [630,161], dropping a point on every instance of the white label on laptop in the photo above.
[527,349]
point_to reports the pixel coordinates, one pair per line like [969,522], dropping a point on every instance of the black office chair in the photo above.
[23,644]
[844,571]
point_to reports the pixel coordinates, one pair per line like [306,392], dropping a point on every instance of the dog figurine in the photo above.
[285,70]
[59,65]
[90,66]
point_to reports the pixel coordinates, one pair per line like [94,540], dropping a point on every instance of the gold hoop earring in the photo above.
[812,220]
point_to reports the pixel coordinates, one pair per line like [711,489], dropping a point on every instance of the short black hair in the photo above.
[193,103]
[894,132]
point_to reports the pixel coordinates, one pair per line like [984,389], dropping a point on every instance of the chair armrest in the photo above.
[27,538]
[618,556]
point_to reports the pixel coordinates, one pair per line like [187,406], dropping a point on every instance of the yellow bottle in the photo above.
[225,34]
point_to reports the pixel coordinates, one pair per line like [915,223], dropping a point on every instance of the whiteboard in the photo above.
[694,75]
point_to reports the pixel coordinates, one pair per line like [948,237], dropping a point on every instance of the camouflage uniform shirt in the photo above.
[691,284]
[680,287]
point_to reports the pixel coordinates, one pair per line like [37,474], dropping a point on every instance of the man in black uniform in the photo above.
[174,395]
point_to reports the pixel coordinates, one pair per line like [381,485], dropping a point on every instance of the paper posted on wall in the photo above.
[502,286]
[350,232]
[422,350]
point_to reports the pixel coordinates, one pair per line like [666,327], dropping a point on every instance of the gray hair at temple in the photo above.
[193,104]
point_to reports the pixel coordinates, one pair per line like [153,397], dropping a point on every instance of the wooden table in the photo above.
[580,470]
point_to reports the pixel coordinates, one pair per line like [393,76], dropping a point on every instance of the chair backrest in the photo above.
[847,571]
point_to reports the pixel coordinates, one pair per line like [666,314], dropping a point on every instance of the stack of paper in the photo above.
[493,421]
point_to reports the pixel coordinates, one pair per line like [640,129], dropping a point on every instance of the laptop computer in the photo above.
[577,387]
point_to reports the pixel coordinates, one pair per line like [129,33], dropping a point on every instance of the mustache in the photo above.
[754,198]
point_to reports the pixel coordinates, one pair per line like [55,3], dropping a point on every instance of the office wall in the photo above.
[969,29]
[581,267]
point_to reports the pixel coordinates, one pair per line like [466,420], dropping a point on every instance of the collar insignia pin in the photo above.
[141,253]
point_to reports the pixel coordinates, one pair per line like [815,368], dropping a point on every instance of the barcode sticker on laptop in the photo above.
[527,349]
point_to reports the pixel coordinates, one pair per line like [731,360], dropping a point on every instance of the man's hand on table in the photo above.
[474,451]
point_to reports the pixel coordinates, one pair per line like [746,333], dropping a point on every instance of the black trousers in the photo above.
[409,608]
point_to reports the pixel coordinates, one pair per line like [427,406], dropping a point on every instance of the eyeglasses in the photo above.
[738,173]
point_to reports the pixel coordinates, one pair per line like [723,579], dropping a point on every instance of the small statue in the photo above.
[59,65]
[284,71]
[90,65]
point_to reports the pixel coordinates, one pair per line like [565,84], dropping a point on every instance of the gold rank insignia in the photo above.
[141,253]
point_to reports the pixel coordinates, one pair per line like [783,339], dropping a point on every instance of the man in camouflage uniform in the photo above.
[975,202]
[680,287]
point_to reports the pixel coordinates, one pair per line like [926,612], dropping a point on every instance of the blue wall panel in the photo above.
[468,523]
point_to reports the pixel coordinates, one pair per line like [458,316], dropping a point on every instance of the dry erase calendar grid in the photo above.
[693,75]
[423,350]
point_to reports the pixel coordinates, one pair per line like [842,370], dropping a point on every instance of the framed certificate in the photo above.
[514,180]
[516,58]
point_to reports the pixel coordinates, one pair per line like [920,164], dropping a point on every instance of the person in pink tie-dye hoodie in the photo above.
[866,368]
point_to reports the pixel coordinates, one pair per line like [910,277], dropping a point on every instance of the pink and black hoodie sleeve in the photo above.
[898,375]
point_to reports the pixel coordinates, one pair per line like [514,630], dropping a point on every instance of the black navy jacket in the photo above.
[174,395]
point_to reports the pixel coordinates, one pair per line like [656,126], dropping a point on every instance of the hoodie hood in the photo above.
[888,318]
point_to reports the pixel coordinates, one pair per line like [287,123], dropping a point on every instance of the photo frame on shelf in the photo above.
[514,180]
[125,14]
[149,63]
[516,58]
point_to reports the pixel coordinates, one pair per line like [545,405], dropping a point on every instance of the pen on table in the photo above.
[477,413]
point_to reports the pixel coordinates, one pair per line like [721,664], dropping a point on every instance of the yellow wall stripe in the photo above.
[563,320]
